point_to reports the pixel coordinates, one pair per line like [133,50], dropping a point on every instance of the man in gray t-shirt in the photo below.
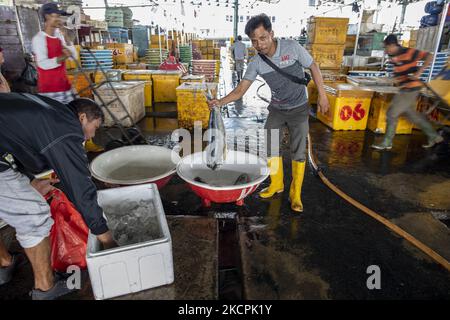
[289,104]
[239,53]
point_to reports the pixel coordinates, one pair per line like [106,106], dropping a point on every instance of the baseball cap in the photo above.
[50,8]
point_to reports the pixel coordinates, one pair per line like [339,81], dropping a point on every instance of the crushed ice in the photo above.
[133,222]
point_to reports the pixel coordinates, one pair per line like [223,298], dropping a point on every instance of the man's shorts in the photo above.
[23,208]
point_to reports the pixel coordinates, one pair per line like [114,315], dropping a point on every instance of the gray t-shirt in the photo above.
[291,57]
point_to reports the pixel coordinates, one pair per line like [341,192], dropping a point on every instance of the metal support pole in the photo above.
[166,33]
[236,19]
[159,40]
[178,45]
[19,28]
[357,38]
[402,17]
[438,38]
[172,37]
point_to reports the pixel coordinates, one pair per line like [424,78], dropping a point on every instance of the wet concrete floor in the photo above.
[324,252]
[266,251]
[195,262]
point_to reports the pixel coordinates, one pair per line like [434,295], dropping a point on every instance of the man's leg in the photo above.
[5,257]
[274,122]
[426,127]
[39,257]
[27,211]
[239,69]
[399,105]
[298,131]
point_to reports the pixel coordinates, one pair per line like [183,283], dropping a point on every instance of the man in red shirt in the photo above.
[51,48]
[406,76]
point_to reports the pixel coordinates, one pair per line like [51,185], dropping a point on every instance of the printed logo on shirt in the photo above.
[285,61]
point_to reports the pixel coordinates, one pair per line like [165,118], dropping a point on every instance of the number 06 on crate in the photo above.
[349,107]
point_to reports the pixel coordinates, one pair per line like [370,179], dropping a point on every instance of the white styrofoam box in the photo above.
[352,29]
[370,27]
[377,53]
[133,268]
[131,94]
[360,61]
[361,73]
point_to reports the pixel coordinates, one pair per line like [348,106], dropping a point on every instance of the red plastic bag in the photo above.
[69,233]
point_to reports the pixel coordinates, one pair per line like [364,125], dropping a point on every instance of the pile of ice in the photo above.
[133,222]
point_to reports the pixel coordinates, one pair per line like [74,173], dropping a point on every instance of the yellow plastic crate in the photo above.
[425,103]
[217,67]
[193,78]
[70,63]
[154,39]
[120,66]
[192,105]
[98,77]
[156,46]
[349,107]
[350,41]
[138,75]
[135,54]
[148,93]
[123,53]
[328,78]
[313,94]
[327,30]
[377,115]
[327,56]
[80,83]
[165,84]
[137,66]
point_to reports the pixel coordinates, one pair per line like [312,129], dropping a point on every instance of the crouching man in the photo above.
[38,133]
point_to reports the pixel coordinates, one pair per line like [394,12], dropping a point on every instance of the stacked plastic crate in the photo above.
[154,57]
[209,68]
[326,41]
[186,54]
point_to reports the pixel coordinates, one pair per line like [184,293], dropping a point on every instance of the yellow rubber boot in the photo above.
[298,173]
[276,178]
[90,146]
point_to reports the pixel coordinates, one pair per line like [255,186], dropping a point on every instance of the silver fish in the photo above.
[216,150]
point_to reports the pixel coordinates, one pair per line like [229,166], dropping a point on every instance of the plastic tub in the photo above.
[133,165]
[237,163]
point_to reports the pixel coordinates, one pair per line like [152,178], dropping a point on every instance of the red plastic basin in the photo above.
[217,186]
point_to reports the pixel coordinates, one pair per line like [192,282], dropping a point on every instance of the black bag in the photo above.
[303,81]
[29,74]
